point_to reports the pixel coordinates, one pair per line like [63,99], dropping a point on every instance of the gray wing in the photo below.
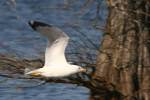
[57,42]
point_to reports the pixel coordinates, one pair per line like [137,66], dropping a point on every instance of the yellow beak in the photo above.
[83,70]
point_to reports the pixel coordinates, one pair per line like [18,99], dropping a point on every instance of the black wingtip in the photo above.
[36,24]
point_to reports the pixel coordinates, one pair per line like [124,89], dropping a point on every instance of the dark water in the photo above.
[15,90]
[19,40]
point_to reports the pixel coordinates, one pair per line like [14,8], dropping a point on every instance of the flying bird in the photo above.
[56,64]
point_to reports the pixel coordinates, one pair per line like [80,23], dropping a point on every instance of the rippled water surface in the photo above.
[28,90]
[18,39]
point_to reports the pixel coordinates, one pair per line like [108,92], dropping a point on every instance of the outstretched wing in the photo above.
[57,42]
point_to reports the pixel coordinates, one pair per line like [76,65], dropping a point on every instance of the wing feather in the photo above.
[57,42]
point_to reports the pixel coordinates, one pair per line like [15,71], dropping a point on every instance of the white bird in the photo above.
[55,61]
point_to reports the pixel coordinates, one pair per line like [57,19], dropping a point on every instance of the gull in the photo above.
[56,64]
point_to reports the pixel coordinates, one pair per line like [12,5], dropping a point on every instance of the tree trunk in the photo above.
[124,59]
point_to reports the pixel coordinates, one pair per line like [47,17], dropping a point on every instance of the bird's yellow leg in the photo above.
[35,74]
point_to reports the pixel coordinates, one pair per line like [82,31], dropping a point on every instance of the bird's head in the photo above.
[79,68]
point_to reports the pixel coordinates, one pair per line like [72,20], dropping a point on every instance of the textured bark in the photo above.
[124,58]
